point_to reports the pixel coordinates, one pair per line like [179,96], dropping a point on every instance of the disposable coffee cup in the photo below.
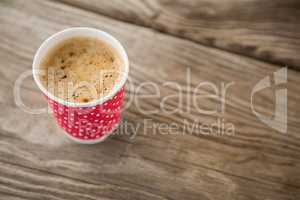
[91,122]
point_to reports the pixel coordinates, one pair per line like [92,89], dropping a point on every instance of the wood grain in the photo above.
[256,163]
[267,30]
[18,182]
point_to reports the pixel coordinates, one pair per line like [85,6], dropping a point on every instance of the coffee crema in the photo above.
[81,69]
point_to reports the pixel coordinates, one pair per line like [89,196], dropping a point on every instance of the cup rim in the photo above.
[101,34]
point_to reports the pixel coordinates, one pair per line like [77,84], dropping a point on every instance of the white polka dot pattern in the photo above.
[89,123]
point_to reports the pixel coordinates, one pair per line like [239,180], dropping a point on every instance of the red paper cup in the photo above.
[92,122]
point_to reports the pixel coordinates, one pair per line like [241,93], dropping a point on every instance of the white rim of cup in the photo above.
[80,31]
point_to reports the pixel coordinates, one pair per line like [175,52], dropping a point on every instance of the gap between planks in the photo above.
[170,34]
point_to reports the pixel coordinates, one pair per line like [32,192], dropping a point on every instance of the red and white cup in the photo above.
[92,122]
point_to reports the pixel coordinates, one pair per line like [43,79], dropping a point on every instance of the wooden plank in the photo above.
[267,30]
[123,176]
[257,162]
[18,182]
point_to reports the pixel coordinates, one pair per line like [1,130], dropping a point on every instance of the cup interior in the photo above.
[85,32]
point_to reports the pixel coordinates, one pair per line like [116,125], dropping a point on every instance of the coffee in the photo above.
[81,69]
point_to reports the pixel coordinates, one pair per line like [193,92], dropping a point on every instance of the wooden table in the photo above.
[219,42]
